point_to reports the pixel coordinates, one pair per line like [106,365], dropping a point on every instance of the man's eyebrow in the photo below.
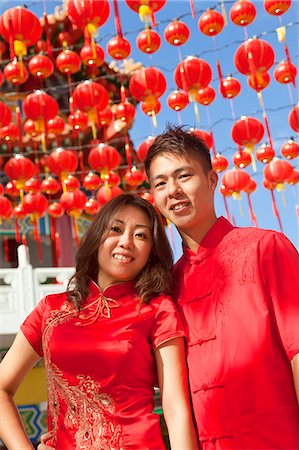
[175,172]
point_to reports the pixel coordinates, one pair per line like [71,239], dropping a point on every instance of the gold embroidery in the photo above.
[89,411]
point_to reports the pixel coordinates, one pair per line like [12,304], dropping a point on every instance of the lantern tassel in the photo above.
[17,230]
[48,41]
[192,9]
[213,142]
[6,249]
[297,211]
[196,112]
[37,238]
[117,19]
[223,12]
[275,211]
[128,153]
[75,230]
[153,20]
[253,162]
[55,236]
[252,214]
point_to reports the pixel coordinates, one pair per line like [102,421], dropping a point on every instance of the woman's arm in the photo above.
[174,388]
[13,368]
[295,370]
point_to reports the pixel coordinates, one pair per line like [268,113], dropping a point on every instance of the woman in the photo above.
[104,340]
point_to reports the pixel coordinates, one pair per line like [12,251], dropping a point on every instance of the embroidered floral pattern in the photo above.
[89,411]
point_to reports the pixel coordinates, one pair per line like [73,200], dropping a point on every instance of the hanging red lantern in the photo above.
[15,73]
[68,62]
[290,149]
[103,157]
[111,179]
[5,115]
[147,83]
[192,74]
[55,210]
[293,178]
[41,66]
[11,189]
[236,180]
[106,193]
[9,133]
[88,95]
[40,107]
[88,15]
[36,205]
[254,55]
[118,48]
[278,171]
[241,159]
[92,55]
[205,96]
[247,132]
[251,186]
[104,117]
[5,208]
[1,78]
[294,118]
[91,181]
[32,185]
[177,100]
[148,41]
[55,126]
[151,108]
[78,120]
[219,163]
[19,212]
[21,28]
[144,147]
[73,202]
[19,168]
[285,72]
[229,87]
[134,177]
[224,191]
[92,207]
[242,13]
[204,136]
[176,33]
[265,153]
[259,81]
[211,22]
[30,128]
[50,186]
[125,112]
[70,183]
[1,189]
[61,162]
[277,7]
[146,9]
[268,185]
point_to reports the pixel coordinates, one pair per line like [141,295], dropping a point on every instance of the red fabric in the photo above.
[100,366]
[238,297]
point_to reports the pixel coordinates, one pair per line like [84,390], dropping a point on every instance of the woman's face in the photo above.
[126,248]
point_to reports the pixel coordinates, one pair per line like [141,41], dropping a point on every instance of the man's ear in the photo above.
[213,178]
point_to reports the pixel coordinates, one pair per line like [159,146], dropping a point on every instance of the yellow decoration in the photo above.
[281,33]
[20,48]
[144,13]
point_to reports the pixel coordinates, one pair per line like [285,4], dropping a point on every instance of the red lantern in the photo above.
[146,9]
[32,186]
[229,87]
[177,100]
[192,74]
[92,55]
[106,193]
[278,171]
[285,72]
[152,108]
[176,33]
[78,120]
[40,106]
[55,210]
[70,183]
[277,7]
[118,48]
[5,208]
[242,13]
[204,136]
[35,204]
[294,118]
[290,149]
[103,157]
[211,22]
[104,117]
[143,148]
[148,41]
[50,186]
[9,133]
[19,212]
[241,159]
[293,178]
[254,55]
[22,27]
[247,132]
[134,177]
[19,168]
[147,83]
[125,112]
[265,153]
[68,62]
[91,181]
[41,66]
[15,73]
[11,189]
[92,206]
[205,96]
[73,202]
[236,180]
[251,186]
[61,162]
[1,77]
[111,179]
[88,95]
[268,185]
[219,163]
[224,191]
[5,115]
[258,81]
[55,126]
[30,128]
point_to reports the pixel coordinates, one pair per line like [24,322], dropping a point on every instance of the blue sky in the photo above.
[276,97]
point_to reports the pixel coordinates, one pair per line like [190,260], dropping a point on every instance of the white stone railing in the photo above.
[23,287]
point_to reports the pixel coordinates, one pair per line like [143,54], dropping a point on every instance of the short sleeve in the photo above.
[32,327]
[167,324]
[280,268]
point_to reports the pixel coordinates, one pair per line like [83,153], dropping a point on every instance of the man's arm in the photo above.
[295,369]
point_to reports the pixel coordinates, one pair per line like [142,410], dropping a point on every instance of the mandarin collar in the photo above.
[114,291]
[215,234]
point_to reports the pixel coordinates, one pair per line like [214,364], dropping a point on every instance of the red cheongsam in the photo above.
[239,299]
[101,368]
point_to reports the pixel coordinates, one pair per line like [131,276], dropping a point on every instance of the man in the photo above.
[237,292]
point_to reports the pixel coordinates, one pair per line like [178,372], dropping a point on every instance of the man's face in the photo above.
[182,191]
